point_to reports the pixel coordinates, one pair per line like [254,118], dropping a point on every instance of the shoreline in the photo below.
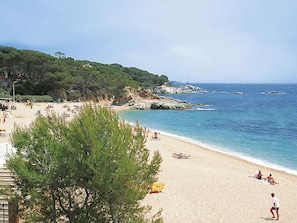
[225,151]
[215,187]
[210,186]
[252,160]
[25,119]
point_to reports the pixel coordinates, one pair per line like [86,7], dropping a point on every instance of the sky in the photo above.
[196,41]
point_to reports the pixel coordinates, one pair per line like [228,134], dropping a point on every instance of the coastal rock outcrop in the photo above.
[145,99]
[170,103]
[182,89]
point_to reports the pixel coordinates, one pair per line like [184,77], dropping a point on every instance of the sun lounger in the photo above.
[3,132]
[8,115]
[181,156]
[157,187]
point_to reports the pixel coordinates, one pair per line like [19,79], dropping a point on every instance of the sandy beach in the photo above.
[214,187]
[25,114]
[207,187]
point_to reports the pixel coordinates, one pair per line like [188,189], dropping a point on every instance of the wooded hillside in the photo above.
[61,77]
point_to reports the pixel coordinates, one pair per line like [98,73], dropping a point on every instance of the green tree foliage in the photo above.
[64,77]
[94,168]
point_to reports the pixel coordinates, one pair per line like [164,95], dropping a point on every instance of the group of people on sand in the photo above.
[275,202]
[269,178]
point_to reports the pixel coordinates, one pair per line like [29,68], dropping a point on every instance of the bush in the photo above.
[34,98]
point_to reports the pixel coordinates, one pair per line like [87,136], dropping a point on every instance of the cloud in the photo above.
[193,40]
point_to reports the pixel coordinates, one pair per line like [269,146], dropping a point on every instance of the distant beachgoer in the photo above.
[258,175]
[38,112]
[270,179]
[155,135]
[275,206]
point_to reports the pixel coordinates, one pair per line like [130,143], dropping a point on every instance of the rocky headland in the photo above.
[148,99]
[182,89]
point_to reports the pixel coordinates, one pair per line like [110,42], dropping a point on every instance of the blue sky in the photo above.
[202,41]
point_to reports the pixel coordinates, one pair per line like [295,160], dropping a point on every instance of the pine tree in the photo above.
[94,168]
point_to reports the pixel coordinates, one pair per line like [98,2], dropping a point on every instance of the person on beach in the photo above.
[275,206]
[270,179]
[258,175]
[155,136]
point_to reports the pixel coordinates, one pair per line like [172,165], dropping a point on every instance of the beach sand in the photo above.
[215,187]
[24,114]
[208,187]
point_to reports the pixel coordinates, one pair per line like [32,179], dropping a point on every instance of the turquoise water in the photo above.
[253,125]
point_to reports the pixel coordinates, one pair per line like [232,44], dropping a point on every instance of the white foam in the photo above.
[232,153]
[204,109]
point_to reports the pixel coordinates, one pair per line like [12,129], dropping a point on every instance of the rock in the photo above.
[170,103]
[183,89]
[122,100]
[144,99]
[273,92]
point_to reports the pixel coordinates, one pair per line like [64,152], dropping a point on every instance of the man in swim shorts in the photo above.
[275,206]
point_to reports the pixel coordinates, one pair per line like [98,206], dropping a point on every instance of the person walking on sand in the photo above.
[275,206]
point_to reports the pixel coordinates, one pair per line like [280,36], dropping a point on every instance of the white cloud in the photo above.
[192,40]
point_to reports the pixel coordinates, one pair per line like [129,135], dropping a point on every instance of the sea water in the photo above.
[256,122]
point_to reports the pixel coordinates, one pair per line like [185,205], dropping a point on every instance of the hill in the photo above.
[28,72]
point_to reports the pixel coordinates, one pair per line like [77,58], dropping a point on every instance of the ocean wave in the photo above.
[205,109]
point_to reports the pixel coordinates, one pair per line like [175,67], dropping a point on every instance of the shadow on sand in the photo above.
[268,219]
